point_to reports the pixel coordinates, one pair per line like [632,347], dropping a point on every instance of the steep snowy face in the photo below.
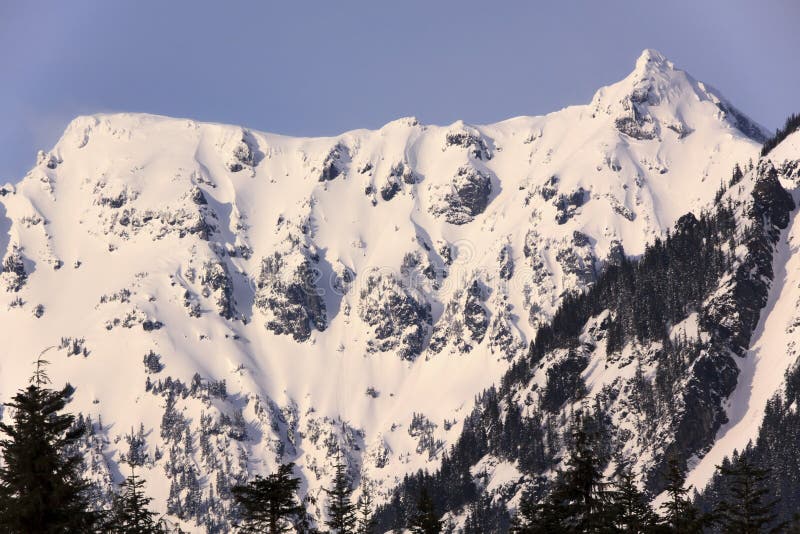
[657,97]
[773,348]
[251,298]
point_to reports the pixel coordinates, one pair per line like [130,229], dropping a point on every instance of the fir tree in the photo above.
[341,510]
[537,516]
[365,520]
[424,520]
[270,504]
[680,515]
[632,509]
[583,494]
[130,512]
[744,509]
[580,500]
[484,517]
[41,489]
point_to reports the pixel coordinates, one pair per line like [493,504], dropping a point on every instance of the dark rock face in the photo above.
[114,202]
[771,202]
[503,337]
[400,319]
[740,121]
[732,315]
[578,261]
[152,363]
[197,196]
[403,172]
[624,211]
[470,140]
[149,325]
[635,127]
[389,190]
[446,253]
[464,323]
[243,155]
[334,163]
[48,160]
[550,188]
[286,292]
[506,262]
[635,121]
[120,216]
[475,316]
[468,196]
[579,239]
[566,205]
[712,378]
[14,273]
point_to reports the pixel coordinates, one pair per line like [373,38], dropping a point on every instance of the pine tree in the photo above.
[341,510]
[424,520]
[680,515]
[745,509]
[270,504]
[41,488]
[130,512]
[365,520]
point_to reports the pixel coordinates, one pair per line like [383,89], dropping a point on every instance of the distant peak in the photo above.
[651,59]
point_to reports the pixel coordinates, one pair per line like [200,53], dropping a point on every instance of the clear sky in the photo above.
[320,68]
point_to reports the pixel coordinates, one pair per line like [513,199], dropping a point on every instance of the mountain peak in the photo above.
[651,59]
[656,97]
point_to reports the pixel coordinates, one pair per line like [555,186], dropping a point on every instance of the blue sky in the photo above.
[319,68]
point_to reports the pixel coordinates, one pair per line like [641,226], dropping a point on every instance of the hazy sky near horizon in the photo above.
[320,68]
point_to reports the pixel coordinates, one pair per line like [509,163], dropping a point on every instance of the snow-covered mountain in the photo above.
[224,299]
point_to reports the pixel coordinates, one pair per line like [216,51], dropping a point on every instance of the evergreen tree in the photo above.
[580,500]
[680,515]
[365,520]
[537,516]
[130,512]
[424,520]
[583,494]
[304,525]
[341,510]
[269,504]
[484,517]
[41,488]
[632,509]
[744,508]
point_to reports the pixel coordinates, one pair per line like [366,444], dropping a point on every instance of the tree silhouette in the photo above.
[270,504]
[130,512]
[41,488]
[341,510]
[744,508]
[425,520]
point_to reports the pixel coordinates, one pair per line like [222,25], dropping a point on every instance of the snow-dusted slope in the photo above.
[353,292]
[774,344]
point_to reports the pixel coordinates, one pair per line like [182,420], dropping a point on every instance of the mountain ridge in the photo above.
[227,252]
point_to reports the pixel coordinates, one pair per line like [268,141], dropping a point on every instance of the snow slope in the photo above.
[774,345]
[353,292]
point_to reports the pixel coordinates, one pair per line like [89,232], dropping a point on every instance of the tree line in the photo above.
[582,499]
[792,125]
